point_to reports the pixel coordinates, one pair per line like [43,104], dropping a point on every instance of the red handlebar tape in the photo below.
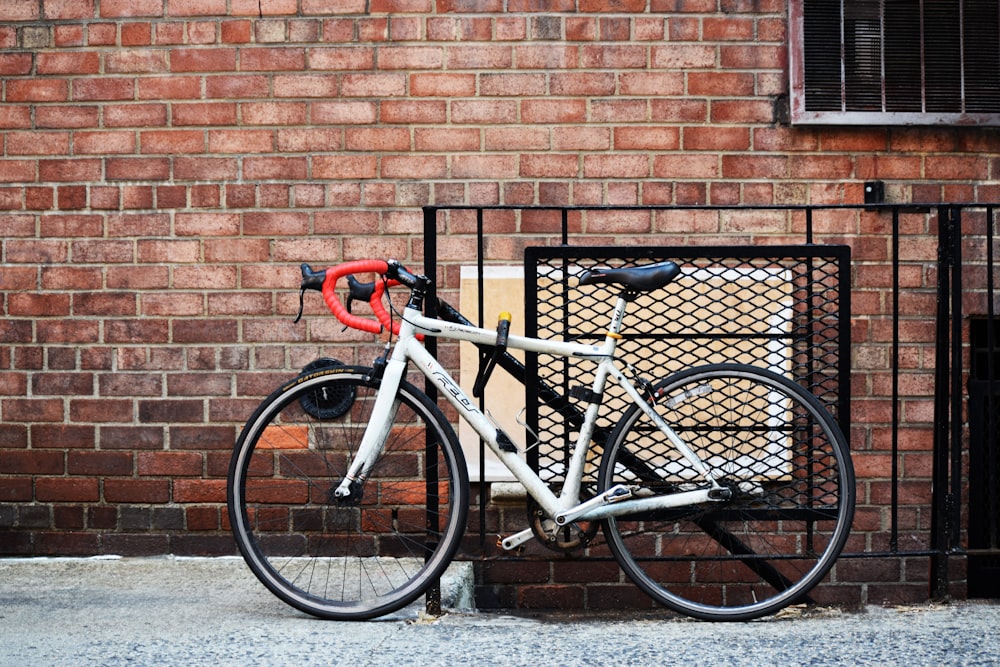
[378,266]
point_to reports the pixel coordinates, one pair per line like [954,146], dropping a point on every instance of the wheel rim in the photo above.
[358,559]
[770,544]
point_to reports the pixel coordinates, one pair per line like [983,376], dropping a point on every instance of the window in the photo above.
[895,62]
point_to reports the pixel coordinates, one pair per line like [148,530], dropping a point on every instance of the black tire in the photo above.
[360,559]
[788,465]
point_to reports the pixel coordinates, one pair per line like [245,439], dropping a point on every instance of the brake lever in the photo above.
[358,290]
[310,280]
[302,305]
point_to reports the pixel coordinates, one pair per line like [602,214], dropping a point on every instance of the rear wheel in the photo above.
[787,466]
[346,559]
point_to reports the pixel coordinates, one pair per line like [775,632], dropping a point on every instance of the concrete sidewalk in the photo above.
[193,611]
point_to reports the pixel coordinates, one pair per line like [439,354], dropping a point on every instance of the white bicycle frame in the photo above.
[565,507]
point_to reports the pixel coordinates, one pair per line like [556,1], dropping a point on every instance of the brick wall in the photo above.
[166,164]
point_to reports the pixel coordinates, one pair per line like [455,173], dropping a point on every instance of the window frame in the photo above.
[799,115]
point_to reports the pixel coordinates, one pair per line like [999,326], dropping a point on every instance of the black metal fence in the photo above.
[914,260]
[967,352]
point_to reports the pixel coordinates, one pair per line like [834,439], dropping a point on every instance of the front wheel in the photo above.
[355,558]
[786,467]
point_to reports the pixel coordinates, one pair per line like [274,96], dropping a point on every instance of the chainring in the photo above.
[563,539]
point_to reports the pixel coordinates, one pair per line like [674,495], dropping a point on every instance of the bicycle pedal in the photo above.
[516,540]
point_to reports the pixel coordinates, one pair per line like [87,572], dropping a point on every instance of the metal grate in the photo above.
[787,310]
[896,61]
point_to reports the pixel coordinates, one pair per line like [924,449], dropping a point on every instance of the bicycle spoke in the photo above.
[359,557]
[788,471]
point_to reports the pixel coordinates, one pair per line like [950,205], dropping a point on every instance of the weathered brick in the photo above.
[199,491]
[32,462]
[169,464]
[120,490]
[66,489]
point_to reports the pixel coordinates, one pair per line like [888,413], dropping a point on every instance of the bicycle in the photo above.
[724,492]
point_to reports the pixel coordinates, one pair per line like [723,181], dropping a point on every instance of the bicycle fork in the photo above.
[381,420]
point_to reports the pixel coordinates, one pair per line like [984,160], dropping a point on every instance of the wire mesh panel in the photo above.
[783,308]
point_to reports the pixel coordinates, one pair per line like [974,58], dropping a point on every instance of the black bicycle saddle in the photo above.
[639,278]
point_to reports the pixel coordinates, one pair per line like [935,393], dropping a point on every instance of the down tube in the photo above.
[445,384]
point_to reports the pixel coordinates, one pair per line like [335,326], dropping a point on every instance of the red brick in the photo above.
[169,464]
[66,489]
[446,140]
[202,59]
[371,85]
[684,57]
[65,543]
[207,224]
[136,490]
[280,168]
[200,491]
[647,138]
[63,384]
[69,169]
[131,8]
[831,167]
[484,166]
[100,410]
[205,331]
[168,251]
[19,10]
[171,142]
[170,411]
[553,111]
[411,58]
[73,62]
[548,56]
[103,251]
[955,167]
[32,462]
[442,84]
[727,28]
[753,57]
[37,90]
[613,56]
[655,84]
[35,409]
[377,139]
[272,59]
[39,305]
[716,138]
[516,84]
[742,111]
[12,117]
[102,34]
[98,463]
[586,84]
[616,166]
[103,89]
[202,518]
[103,142]
[345,166]
[137,168]
[16,490]
[634,6]
[240,141]
[487,112]
[550,165]
[721,84]
[505,138]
